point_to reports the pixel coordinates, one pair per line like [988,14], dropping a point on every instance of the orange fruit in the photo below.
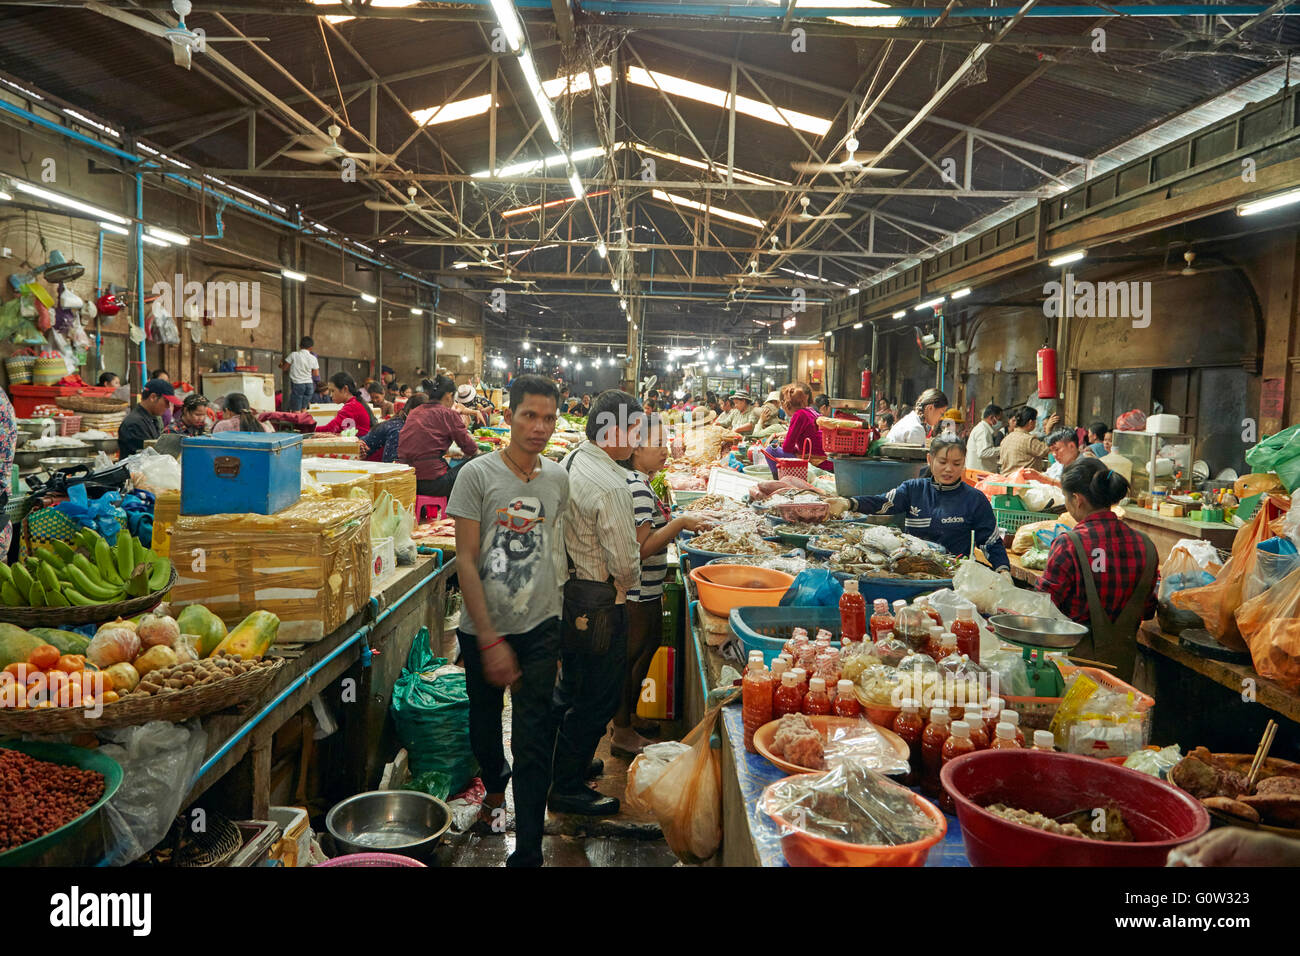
[110,697]
[71,662]
[19,669]
[44,657]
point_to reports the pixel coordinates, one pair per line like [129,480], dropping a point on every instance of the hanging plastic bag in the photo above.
[431,711]
[686,798]
[1274,560]
[1279,454]
[647,768]
[1215,603]
[1270,624]
[815,587]
[1134,420]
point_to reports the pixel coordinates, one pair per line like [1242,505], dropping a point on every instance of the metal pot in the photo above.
[30,428]
[107,445]
[58,464]
[389,821]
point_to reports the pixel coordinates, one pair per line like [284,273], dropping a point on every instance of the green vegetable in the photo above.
[659,485]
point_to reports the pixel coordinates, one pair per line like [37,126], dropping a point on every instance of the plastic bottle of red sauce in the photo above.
[910,726]
[800,679]
[936,732]
[779,666]
[936,637]
[944,650]
[788,698]
[1043,740]
[755,702]
[807,657]
[881,619]
[1013,718]
[958,743]
[968,633]
[992,714]
[924,605]
[817,700]
[846,700]
[853,614]
[754,657]
[978,735]
[1006,737]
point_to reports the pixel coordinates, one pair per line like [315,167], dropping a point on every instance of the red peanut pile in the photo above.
[37,797]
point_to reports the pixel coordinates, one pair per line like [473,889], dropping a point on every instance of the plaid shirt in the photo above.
[1123,553]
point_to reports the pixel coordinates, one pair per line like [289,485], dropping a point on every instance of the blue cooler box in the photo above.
[240,473]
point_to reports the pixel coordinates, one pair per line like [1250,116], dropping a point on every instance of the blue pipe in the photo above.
[221,223]
[70,133]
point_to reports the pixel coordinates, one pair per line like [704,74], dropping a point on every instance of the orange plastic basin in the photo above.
[724,586]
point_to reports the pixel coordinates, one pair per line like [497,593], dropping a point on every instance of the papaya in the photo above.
[16,644]
[68,642]
[209,629]
[252,637]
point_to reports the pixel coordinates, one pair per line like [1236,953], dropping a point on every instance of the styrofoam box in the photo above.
[1163,425]
[384,558]
[295,827]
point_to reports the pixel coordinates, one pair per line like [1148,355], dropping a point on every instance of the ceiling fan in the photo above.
[1191,269]
[751,273]
[410,206]
[331,151]
[185,42]
[483,263]
[851,165]
[507,278]
[804,216]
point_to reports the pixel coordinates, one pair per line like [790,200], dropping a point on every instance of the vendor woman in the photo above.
[1103,573]
[916,427]
[941,508]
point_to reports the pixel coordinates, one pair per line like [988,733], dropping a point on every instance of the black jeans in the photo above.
[645,624]
[532,735]
[585,699]
[437,487]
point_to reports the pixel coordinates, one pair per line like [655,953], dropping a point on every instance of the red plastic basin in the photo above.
[1160,816]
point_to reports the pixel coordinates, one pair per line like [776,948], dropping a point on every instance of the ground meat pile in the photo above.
[38,797]
[798,741]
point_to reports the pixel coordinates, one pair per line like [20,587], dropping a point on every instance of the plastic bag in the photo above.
[1157,763]
[1034,533]
[1035,559]
[1134,420]
[431,712]
[103,514]
[1007,670]
[849,804]
[648,767]
[1098,721]
[1274,560]
[686,798]
[160,761]
[1215,603]
[153,472]
[815,587]
[1270,624]
[1279,454]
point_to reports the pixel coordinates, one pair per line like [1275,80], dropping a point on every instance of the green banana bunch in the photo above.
[85,572]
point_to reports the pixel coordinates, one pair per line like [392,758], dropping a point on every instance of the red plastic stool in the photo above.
[437,503]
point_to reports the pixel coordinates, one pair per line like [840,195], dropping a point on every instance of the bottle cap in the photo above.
[995,705]
[1043,739]
[799,673]
[960,728]
[817,685]
[789,679]
[899,604]
[1006,731]
[965,614]
[939,704]
[1011,717]
[755,655]
[911,703]
[936,632]
[844,687]
[779,666]
[948,639]
[973,714]
[880,606]
[886,636]
[851,586]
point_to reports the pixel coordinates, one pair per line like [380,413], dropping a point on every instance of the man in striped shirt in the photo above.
[600,536]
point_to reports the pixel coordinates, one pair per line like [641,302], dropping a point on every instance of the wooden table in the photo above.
[1165,532]
[1021,573]
[1202,701]
[370,649]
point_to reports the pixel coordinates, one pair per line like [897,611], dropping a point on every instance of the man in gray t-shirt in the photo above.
[509,510]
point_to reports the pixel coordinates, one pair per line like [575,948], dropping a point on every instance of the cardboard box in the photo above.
[310,565]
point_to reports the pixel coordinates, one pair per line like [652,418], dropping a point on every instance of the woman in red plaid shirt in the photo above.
[1103,573]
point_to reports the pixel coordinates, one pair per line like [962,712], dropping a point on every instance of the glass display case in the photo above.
[1166,457]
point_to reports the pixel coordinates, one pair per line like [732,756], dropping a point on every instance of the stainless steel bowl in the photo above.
[390,821]
[54,464]
[29,428]
[1037,631]
[107,445]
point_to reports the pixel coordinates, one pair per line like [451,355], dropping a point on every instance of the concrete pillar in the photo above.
[1278,395]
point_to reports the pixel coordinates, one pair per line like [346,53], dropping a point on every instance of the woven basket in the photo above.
[19,369]
[86,403]
[49,368]
[175,707]
[29,617]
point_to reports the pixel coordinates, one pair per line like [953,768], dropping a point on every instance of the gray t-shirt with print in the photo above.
[521,548]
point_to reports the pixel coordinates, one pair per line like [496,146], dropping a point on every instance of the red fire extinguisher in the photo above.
[1047,373]
[866,383]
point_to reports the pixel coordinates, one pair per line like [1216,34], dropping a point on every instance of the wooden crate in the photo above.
[309,565]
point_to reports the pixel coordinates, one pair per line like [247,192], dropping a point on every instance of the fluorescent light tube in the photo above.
[295,276]
[1066,259]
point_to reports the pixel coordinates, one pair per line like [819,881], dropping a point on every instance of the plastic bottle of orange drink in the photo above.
[910,726]
[978,735]
[1013,718]
[968,633]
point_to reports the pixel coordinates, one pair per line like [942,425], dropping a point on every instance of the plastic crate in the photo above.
[683,498]
[68,424]
[1036,713]
[1009,520]
[767,629]
[846,441]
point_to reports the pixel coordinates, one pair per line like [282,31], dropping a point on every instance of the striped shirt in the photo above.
[646,509]
[599,533]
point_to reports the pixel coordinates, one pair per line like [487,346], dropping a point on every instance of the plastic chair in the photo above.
[437,502]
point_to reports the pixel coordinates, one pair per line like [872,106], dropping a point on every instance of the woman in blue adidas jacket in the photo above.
[941,508]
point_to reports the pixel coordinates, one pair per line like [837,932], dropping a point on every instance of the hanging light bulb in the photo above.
[573,350]
[526,345]
[438,344]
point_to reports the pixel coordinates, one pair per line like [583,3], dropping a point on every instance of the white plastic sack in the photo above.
[647,768]
[978,584]
[948,602]
[151,471]
[1040,497]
